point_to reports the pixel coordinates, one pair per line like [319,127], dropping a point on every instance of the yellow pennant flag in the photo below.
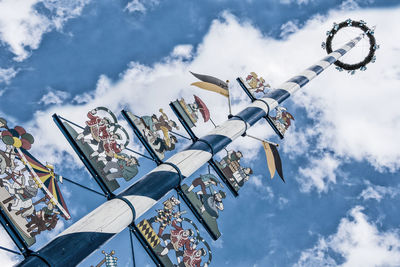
[212,87]
[270,158]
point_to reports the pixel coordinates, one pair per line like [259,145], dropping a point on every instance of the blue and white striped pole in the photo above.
[90,232]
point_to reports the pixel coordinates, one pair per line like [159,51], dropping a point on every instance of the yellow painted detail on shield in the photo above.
[166,135]
[148,233]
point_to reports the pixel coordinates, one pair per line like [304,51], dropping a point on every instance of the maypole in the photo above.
[86,235]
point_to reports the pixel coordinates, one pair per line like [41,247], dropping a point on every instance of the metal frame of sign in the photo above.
[252,98]
[140,136]
[145,245]
[58,120]
[14,234]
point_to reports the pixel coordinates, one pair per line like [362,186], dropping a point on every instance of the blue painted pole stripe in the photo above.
[251,115]
[340,51]
[300,80]
[80,244]
[218,142]
[316,68]
[154,185]
[279,95]
[329,59]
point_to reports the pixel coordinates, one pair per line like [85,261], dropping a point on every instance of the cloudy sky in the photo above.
[341,157]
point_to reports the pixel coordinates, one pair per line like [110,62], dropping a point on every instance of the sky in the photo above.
[340,158]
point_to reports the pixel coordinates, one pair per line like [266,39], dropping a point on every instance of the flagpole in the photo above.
[262,140]
[229,99]
[86,235]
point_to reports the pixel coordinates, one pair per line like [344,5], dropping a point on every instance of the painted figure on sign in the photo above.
[21,195]
[212,203]
[179,238]
[156,131]
[256,84]
[96,127]
[230,166]
[125,167]
[166,215]
[43,220]
[282,120]
[211,200]
[192,257]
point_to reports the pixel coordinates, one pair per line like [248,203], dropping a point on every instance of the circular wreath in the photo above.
[368,33]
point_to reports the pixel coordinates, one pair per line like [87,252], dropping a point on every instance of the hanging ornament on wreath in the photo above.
[362,55]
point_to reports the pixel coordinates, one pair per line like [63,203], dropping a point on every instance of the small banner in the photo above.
[273,160]
[29,192]
[101,144]
[154,132]
[234,174]
[172,239]
[211,83]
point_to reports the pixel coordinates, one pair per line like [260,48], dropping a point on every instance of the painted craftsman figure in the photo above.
[179,238]
[183,243]
[282,120]
[156,131]
[230,166]
[256,84]
[192,257]
[166,215]
[96,127]
[211,200]
[43,220]
[125,167]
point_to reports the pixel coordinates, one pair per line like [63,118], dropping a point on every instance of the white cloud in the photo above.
[22,26]
[288,28]
[7,259]
[264,192]
[319,174]
[7,74]
[358,242]
[83,98]
[353,4]
[299,2]
[378,192]
[54,97]
[140,6]
[183,51]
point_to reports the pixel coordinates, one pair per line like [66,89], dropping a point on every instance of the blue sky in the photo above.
[341,157]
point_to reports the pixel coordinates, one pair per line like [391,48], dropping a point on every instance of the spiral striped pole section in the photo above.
[90,232]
